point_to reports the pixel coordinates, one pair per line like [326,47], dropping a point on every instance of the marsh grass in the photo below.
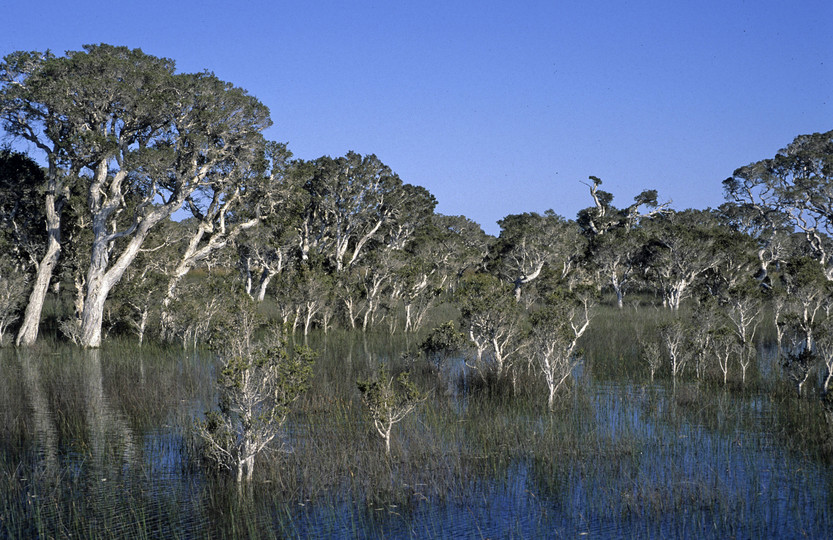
[102,447]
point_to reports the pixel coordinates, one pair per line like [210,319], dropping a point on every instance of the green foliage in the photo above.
[21,211]
[13,287]
[442,342]
[389,400]
[258,384]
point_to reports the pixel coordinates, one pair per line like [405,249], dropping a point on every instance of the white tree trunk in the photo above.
[28,332]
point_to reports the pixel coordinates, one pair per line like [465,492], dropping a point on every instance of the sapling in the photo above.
[257,384]
[443,342]
[652,355]
[389,400]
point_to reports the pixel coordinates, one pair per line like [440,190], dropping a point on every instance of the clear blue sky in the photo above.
[497,107]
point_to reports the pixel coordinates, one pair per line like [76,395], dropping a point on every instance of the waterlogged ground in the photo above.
[97,444]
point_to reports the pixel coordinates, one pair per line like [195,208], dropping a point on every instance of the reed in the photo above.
[97,445]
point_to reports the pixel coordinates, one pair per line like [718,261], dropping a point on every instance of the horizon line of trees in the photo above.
[126,142]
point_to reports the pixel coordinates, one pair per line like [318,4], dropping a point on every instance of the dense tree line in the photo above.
[122,146]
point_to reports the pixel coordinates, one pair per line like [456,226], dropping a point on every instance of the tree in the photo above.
[22,235]
[724,346]
[138,138]
[603,217]
[493,321]
[354,201]
[12,292]
[556,328]
[767,230]
[460,244]
[682,247]
[258,384]
[651,354]
[389,400]
[673,336]
[798,183]
[806,293]
[529,241]
[233,198]
[616,257]
[614,236]
[442,342]
[30,111]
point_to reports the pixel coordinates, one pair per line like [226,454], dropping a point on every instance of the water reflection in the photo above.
[44,430]
[113,446]
[107,441]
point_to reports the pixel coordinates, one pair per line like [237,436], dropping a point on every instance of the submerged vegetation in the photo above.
[639,369]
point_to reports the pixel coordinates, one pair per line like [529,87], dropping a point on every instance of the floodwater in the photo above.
[96,444]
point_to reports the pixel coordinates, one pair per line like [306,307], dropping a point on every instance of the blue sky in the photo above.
[497,107]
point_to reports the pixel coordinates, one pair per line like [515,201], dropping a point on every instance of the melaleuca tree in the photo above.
[603,218]
[22,231]
[800,309]
[234,198]
[529,241]
[355,204]
[681,248]
[441,343]
[137,139]
[493,321]
[558,323]
[614,236]
[258,383]
[797,183]
[389,400]
[13,285]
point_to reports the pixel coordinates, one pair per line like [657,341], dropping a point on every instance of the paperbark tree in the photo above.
[31,111]
[682,247]
[353,201]
[12,292]
[556,328]
[140,139]
[493,322]
[529,241]
[797,182]
[233,198]
[258,384]
[22,237]
[389,401]
[603,217]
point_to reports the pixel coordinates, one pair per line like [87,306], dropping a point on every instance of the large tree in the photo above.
[354,202]
[529,241]
[139,138]
[30,112]
[797,182]
[682,247]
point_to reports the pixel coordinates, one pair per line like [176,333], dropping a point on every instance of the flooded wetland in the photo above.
[101,444]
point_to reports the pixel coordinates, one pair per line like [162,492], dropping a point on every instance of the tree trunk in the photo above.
[100,279]
[265,278]
[28,332]
[619,297]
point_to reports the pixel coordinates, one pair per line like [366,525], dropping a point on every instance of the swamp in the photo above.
[100,443]
[204,336]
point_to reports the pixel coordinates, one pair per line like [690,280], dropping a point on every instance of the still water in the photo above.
[98,444]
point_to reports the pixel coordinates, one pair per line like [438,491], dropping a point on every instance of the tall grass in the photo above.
[100,445]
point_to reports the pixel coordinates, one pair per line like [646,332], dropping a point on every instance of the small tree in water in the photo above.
[443,342]
[257,385]
[389,400]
